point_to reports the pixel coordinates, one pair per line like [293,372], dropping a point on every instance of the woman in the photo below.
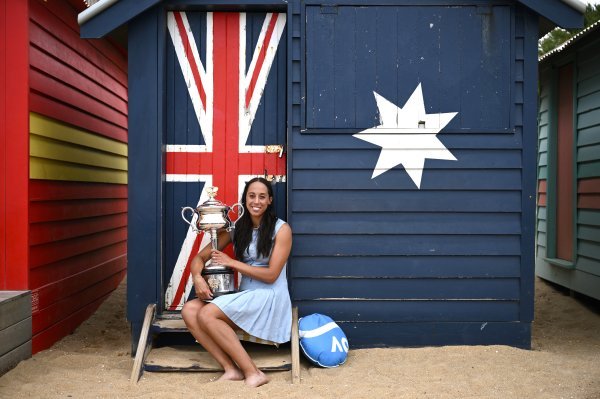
[262,308]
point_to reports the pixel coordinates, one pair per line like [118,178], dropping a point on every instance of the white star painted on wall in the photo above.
[407,136]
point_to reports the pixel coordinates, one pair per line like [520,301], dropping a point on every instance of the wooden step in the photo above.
[169,325]
[195,358]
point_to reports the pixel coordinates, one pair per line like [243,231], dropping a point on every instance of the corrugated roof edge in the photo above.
[575,38]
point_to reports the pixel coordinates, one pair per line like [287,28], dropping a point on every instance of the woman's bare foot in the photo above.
[232,375]
[256,380]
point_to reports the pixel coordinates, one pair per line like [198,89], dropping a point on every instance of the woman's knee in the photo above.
[207,314]
[190,309]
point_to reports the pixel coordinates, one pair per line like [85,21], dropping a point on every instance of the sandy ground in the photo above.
[95,362]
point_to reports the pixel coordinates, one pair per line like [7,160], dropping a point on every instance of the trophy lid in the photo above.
[212,203]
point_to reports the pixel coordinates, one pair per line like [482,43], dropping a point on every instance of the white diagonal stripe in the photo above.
[317,331]
[247,115]
[203,111]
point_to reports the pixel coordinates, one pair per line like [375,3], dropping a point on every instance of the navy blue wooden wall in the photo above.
[449,262]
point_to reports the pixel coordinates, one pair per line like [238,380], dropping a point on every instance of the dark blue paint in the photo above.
[424,266]
[465,234]
[529,171]
[390,50]
[407,200]
[408,245]
[408,223]
[413,311]
[433,179]
[556,11]
[114,16]
[145,167]
[382,334]
[390,288]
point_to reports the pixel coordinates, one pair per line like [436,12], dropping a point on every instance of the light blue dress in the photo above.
[261,309]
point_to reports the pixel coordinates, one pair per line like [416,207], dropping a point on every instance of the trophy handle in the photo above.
[240,214]
[190,222]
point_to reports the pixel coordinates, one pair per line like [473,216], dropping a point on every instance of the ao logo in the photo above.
[337,346]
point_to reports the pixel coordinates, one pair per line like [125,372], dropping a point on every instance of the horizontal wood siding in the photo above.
[588,164]
[583,275]
[544,121]
[380,255]
[74,80]
[77,169]
[14,142]
[15,328]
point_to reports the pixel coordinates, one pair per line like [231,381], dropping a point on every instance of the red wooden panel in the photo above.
[43,190]
[588,201]
[542,200]
[52,252]
[542,192]
[73,78]
[58,91]
[51,45]
[51,272]
[3,62]
[68,17]
[74,209]
[41,233]
[48,296]
[74,316]
[564,179]
[586,186]
[588,193]
[44,105]
[15,143]
[542,186]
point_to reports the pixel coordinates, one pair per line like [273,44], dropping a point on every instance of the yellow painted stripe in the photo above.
[57,130]
[41,168]
[43,147]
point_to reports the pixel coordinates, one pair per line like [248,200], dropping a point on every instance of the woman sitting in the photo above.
[262,307]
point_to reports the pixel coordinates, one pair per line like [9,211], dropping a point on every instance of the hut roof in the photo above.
[104,16]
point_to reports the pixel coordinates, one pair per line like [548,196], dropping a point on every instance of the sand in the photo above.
[95,362]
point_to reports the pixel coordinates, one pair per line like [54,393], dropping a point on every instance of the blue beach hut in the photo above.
[400,136]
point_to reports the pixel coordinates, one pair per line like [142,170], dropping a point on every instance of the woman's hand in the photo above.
[221,258]
[202,289]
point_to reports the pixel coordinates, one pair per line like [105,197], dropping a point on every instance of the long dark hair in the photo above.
[243,227]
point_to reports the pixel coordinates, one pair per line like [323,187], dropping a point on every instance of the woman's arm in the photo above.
[198,262]
[268,274]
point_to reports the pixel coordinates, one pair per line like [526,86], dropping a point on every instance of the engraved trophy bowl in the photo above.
[211,216]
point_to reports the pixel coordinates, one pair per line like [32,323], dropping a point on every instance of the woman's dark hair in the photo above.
[243,227]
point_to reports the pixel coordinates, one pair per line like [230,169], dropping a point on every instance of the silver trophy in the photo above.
[211,216]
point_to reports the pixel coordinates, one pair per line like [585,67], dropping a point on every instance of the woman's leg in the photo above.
[222,331]
[190,314]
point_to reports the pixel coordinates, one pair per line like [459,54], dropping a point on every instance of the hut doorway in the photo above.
[225,123]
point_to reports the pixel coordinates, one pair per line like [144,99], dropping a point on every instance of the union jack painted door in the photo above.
[226,117]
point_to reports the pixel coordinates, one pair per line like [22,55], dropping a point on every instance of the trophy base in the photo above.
[220,280]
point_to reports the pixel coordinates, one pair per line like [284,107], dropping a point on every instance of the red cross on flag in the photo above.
[225,94]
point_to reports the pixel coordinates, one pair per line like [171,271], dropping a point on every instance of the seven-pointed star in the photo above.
[407,136]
